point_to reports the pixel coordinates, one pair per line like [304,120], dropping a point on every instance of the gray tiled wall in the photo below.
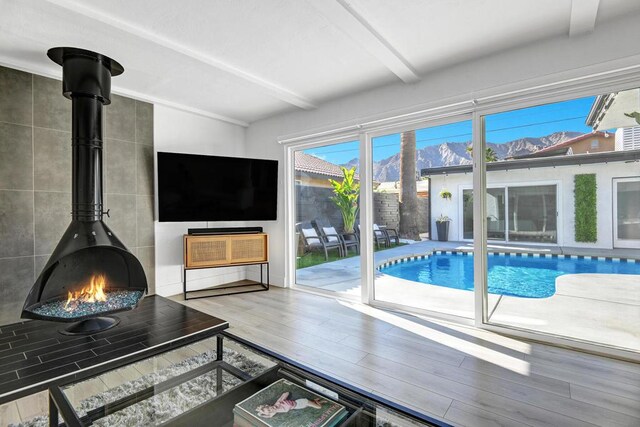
[35,179]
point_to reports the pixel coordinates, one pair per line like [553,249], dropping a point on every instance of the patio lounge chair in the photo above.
[392,233]
[314,241]
[349,240]
[379,236]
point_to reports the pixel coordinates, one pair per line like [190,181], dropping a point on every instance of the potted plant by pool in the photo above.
[442,225]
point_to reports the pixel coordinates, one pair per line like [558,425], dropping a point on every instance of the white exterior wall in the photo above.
[563,176]
[182,132]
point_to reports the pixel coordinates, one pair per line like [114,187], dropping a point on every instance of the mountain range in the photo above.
[455,153]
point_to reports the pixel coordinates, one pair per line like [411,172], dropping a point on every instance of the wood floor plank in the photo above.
[470,376]
[501,405]
[542,399]
[480,334]
[466,344]
[377,344]
[430,402]
[320,343]
[550,352]
[294,327]
[263,311]
[321,307]
[458,343]
[591,381]
[606,400]
[327,342]
[471,416]
[579,368]
[284,316]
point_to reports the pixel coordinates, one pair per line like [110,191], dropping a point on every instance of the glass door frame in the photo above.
[562,91]
[548,89]
[367,217]
[290,213]
[617,242]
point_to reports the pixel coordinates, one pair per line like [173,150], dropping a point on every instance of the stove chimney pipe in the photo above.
[86,80]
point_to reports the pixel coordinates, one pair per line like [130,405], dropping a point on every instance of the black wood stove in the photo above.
[90,274]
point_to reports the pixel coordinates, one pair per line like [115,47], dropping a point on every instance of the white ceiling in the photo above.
[243,60]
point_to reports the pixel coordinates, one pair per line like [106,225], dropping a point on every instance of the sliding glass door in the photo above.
[560,188]
[535,233]
[326,200]
[416,219]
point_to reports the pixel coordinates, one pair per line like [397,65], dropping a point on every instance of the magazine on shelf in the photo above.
[285,404]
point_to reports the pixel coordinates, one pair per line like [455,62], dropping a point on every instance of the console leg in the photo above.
[219,347]
[184,283]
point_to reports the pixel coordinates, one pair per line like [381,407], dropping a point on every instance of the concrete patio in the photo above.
[592,307]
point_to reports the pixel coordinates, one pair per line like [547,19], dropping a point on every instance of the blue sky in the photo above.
[503,127]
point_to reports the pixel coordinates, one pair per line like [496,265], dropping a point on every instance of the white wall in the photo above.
[563,176]
[552,60]
[182,132]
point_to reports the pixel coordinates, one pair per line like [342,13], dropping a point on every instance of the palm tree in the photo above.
[408,191]
[490,155]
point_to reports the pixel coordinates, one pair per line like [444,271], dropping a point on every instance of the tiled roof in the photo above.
[312,164]
[571,141]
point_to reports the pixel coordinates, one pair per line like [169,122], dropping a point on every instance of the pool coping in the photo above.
[463,252]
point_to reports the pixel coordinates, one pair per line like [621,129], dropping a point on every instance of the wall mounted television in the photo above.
[195,187]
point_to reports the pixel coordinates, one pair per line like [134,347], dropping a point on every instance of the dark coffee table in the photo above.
[34,355]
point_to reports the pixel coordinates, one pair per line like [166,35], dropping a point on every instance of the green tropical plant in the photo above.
[489,156]
[345,196]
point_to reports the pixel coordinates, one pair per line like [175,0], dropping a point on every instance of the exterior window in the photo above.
[495,214]
[532,214]
[595,144]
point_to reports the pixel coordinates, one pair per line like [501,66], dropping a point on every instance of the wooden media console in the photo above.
[226,250]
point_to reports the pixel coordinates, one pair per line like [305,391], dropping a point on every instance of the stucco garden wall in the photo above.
[314,202]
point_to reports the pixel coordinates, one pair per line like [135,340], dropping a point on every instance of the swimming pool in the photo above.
[519,275]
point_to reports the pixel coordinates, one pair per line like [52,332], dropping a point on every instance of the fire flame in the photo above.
[92,292]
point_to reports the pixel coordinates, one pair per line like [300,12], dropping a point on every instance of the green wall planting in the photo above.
[586,214]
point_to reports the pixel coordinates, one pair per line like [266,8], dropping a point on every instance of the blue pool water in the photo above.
[523,276]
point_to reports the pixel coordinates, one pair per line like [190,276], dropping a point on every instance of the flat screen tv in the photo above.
[212,188]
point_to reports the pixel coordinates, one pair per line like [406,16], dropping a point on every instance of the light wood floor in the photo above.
[460,374]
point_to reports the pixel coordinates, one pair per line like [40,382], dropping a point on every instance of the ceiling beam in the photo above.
[47,72]
[583,17]
[271,88]
[343,16]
